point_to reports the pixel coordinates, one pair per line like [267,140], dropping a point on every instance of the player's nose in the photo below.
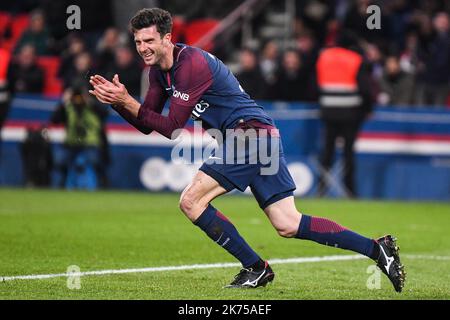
[142,48]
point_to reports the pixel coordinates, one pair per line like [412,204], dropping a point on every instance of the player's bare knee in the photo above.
[287,231]
[191,205]
[287,225]
[187,203]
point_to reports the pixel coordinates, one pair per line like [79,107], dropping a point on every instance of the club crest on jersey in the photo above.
[199,109]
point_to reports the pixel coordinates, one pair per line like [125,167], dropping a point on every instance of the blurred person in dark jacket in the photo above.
[128,69]
[250,76]
[308,50]
[37,35]
[24,75]
[106,48]
[82,67]
[268,61]
[396,85]
[37,158]
[292,79]
[75,45]
[433,73]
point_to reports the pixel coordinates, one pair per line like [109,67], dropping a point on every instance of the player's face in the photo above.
[150,46]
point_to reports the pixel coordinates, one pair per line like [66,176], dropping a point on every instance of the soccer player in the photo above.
[200,86]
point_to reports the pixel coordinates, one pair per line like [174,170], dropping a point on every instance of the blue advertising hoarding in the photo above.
[400,153]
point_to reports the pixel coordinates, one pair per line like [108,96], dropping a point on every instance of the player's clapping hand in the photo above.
[109,92]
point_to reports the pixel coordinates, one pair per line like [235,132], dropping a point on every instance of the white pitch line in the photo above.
[176,268]
[207,266]
[425,257]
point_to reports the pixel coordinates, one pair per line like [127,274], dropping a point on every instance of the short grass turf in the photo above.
[45,231]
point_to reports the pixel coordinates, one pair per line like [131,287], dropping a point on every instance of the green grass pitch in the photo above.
[44,232]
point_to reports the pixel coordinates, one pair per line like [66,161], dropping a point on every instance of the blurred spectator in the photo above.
[96,16]
[36,35]
[345,101]
[397,14]
[434,75]
[308,54]
[83,121]
[128,69]
[79,75]
[315,14]
[374,57]
[396,85]
[307,48]
[37,158]
[75,46]
[250,75]
[269,62]
[24,75]
[106,48]
[56,19]
[292,79]
[5,98]
[356,21]
[408,58]
[333,29]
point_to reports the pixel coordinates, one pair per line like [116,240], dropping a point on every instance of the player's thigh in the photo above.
[284,216]
[198,194]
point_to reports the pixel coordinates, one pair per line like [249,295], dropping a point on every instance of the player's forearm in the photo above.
[166,125]
[163,125]
[131,119]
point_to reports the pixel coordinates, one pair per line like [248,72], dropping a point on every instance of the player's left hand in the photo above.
[109,92]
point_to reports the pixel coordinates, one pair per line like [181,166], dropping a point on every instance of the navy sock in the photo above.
[223,232]
[330,233]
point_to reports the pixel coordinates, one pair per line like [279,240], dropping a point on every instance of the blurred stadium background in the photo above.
[402,150]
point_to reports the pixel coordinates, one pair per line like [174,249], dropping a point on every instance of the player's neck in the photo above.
[167,62]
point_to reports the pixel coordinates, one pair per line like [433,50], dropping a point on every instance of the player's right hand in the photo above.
[96,81]
[109,92]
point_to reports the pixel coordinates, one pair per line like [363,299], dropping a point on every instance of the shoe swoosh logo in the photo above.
[254,282]
[389,260]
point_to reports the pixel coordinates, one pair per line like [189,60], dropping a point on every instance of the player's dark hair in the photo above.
[146,18]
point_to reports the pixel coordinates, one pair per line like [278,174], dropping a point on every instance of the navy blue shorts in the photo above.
[260,165]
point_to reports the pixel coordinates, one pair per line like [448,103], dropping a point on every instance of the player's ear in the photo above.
[167,38]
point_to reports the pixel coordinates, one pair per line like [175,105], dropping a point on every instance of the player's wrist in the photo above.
[122,103]
[131,105]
